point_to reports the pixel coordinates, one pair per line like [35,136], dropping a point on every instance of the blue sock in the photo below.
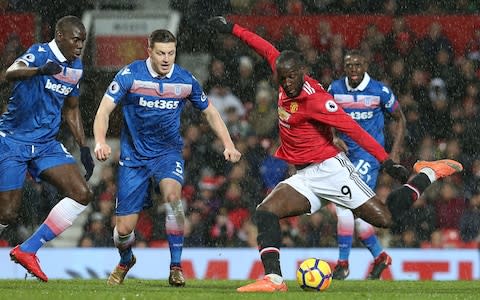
[344,246]
[176,245]
[373,245]
[38,239]
[125,256]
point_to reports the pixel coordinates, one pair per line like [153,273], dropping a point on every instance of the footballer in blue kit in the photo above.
[46,89]
[152,94]
[367,101]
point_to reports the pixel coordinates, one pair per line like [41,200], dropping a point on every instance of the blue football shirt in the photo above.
[152,106]
[366,104]
[34,110]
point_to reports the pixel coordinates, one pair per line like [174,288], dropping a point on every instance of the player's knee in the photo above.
[83,195]
[385,221]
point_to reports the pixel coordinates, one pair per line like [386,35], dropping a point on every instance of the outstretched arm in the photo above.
[400,128]
[218,126]
[100,128]
[72,116]
[257,43]
[19,70]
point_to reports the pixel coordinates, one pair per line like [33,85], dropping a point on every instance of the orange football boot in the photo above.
[264,285]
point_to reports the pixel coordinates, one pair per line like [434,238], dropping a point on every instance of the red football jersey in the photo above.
[306,121]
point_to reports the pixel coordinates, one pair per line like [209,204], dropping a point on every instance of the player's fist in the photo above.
[102,151]
[232,154]
[395,170]
[220,24]
[50,68]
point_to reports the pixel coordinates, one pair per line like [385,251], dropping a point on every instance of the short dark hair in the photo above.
[161,36]
[287,55]
[354,52]
[67,21]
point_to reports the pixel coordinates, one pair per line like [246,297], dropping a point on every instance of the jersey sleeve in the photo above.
[120,85]
[34,56]
[328,112]
[388,99]
[261,46]
[198,97]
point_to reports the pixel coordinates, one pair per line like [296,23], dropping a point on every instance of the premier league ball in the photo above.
[314,274]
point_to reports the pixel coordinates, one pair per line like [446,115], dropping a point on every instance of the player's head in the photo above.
[162,49]
[70,36]
[290,72]
[355,65]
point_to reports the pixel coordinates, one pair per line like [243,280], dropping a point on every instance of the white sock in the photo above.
[430,173]
[122,242]
[63,214]
[275,278]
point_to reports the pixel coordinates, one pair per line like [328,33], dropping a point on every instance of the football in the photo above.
[314,274]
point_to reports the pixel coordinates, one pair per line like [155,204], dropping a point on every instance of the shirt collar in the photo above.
[362,86]
[155,74]
[56,51]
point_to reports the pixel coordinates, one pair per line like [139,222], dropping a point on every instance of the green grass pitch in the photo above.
[225,289]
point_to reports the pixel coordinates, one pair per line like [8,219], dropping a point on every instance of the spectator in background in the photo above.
[439,118]
[472,48]
[97,232]
[319,229]
[216,74]
[432,43]
[196,229]
[323,36]
[11,50]
[263,117]
[221,96]
[470,220]
[244,84]
[400,42]
[449,206]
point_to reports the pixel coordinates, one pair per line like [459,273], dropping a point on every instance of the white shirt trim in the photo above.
[361,87]
[54,47]
[155,74]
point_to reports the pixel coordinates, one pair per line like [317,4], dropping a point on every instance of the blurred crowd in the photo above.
[438,91]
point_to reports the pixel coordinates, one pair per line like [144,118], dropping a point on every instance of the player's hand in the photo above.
[50,68]
[87,161]
[232,154]
[340,144]
[102,151]
[220,24]
[397,171]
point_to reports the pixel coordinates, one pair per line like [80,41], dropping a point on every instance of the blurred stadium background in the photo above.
[428,52]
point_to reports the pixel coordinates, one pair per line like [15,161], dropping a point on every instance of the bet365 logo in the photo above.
[162,104]
[58,87]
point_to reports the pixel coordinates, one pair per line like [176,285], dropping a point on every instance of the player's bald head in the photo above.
[68,22]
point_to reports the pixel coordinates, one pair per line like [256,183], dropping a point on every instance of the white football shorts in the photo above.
[334,180]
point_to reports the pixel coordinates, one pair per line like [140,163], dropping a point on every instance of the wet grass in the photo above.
[225,289]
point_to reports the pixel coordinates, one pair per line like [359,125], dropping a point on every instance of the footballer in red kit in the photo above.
[307,115]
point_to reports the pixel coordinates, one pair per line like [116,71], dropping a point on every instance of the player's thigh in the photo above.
[337,181]
[285,201]
[13,165]
[368,169]
[69,182]
[133,190]
[168,174]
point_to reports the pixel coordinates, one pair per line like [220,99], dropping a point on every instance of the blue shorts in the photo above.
[16,158]
[135,183]
[368,170]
